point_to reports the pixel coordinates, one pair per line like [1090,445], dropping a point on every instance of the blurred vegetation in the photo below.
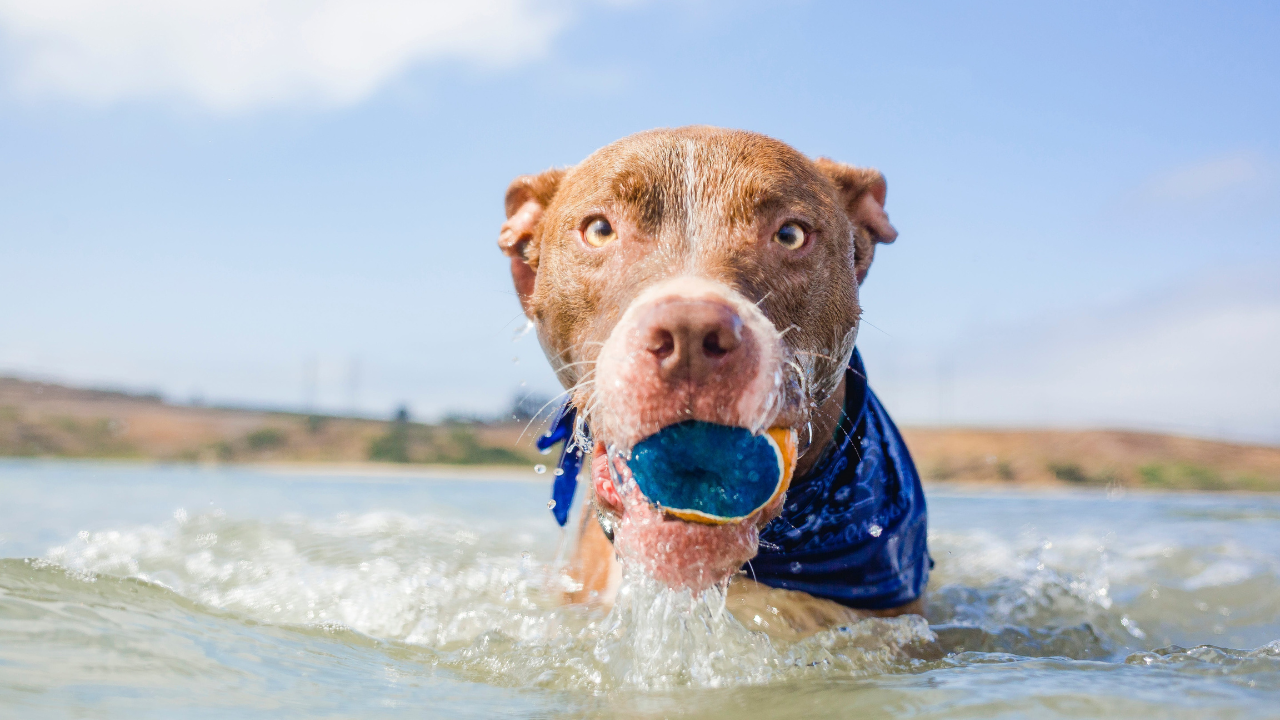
[265,439]
[61,436]
[1187,476]
[1076,475]
[43,420]
[316,423]
[454,442]
[47,420]
[1092,458]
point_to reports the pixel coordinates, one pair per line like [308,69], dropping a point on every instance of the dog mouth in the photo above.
[686,504]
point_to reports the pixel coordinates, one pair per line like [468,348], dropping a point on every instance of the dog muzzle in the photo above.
[713,474]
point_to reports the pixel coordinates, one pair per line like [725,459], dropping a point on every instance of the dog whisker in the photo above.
[537,416]
[817,355]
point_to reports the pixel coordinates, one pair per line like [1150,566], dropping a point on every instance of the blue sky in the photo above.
[259,203]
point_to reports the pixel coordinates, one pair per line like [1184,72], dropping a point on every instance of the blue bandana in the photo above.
[853,529]
[566,481]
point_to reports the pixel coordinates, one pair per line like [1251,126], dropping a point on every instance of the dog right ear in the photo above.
[862,191]
[527,198]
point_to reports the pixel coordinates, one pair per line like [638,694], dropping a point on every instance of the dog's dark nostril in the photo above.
[711,345]
[722,338]
[662,344]
[689,339]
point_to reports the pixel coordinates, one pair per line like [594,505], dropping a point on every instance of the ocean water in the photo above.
[137,591]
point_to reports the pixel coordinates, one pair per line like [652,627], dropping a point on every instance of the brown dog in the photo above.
[697,274]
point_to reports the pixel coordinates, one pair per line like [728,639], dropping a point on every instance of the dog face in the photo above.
[693,274]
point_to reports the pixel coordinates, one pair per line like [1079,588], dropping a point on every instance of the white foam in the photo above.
[485,604]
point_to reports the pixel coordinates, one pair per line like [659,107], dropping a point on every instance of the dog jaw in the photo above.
[677,553]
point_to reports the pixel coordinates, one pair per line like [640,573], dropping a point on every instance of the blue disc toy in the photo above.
[714,474]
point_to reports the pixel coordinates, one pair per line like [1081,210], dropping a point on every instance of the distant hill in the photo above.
[39,419]
[1092,457]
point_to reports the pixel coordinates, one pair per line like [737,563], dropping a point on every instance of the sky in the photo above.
[296,204]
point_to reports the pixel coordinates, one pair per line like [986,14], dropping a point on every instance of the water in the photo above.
[178,592]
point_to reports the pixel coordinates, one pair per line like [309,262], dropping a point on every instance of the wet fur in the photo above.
[701,202]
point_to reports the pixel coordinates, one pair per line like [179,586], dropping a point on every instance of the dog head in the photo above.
[693,274]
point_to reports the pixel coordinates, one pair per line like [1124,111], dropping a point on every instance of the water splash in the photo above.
[430,583]
[352,614]
[1259,668]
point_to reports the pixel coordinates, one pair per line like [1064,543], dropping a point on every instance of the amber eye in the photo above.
[598,232]
[790,236]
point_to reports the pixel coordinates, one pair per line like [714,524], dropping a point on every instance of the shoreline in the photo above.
[510,473]
[42,420]
[424,471]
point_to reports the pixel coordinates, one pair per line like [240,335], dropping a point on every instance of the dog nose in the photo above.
[690,339]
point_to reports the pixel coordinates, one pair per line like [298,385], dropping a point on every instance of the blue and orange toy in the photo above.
[713,474]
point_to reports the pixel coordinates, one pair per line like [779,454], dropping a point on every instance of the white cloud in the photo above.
[1203,180]
[1200,359]
[235,55]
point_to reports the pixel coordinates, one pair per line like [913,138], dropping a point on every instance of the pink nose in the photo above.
[691,339]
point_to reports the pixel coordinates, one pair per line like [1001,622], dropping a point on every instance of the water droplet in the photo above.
[875,530]
[539,468]
[796,567]
[551,504]
[557,472]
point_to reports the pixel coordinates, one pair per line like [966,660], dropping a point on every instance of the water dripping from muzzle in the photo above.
[608,522]
[613,455]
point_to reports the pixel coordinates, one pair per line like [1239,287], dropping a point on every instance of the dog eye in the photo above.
[790,236]
[599,232]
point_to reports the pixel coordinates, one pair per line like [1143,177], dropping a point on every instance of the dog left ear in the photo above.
[527,198]
[862,191]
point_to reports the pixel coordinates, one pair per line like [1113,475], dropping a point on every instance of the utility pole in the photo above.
[310,381]
[353,386]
